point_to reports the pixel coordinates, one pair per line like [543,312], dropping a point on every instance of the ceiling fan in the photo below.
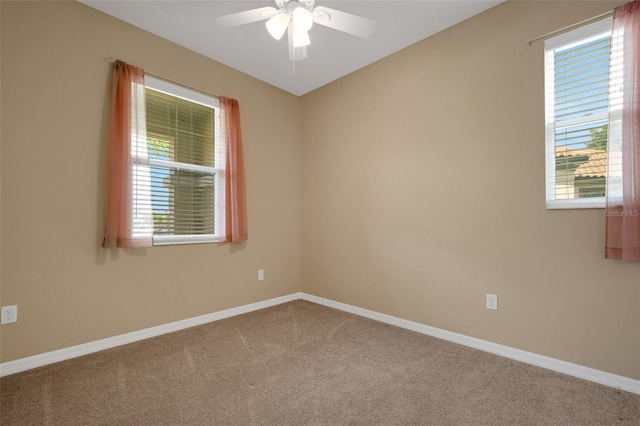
[296,17]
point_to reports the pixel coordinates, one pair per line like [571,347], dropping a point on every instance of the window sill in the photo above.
[573,204]
[166,240]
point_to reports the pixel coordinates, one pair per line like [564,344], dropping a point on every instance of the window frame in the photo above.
[217,171]
[567,40]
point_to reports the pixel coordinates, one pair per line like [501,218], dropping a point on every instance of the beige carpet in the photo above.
[304,364]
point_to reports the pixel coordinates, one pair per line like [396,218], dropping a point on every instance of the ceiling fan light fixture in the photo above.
[300,38]
[302,19]
[278,25]
[298,54]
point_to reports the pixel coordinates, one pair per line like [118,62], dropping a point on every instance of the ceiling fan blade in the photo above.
[345,22]
[246,17]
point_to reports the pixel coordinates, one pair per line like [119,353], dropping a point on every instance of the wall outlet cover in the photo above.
[8,314]
[492,302]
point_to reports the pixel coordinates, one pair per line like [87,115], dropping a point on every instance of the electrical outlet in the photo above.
[260,274]
[9,314]
[492,301]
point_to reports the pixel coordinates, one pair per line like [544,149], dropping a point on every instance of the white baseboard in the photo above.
[575,370]
[40,360]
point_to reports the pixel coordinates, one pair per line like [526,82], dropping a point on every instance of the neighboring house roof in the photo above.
[595,167]
[595,164]
[563,151]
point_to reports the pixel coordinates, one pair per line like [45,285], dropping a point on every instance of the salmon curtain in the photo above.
[235,199]
[129,221]
[623,147]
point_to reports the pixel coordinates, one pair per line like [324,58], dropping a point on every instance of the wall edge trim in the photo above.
[40,360]
[575,370]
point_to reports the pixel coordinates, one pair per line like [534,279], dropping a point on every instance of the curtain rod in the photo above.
[112,60]
[602,15]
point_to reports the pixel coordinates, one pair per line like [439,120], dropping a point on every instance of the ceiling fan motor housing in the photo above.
[307,4]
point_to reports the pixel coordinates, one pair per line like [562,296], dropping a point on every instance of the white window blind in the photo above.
[185,164]
[577,66]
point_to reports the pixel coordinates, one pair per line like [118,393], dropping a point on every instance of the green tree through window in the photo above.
[598,138]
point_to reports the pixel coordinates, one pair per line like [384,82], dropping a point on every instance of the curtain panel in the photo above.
[235,198]
[623,147]
[129,221]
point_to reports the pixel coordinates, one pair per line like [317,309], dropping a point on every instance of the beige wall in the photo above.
[423,190]
[68,289]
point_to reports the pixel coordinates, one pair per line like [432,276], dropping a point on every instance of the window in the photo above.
[577,116]
[179,170]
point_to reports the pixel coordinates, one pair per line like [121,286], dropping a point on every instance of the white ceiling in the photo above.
[250,48]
